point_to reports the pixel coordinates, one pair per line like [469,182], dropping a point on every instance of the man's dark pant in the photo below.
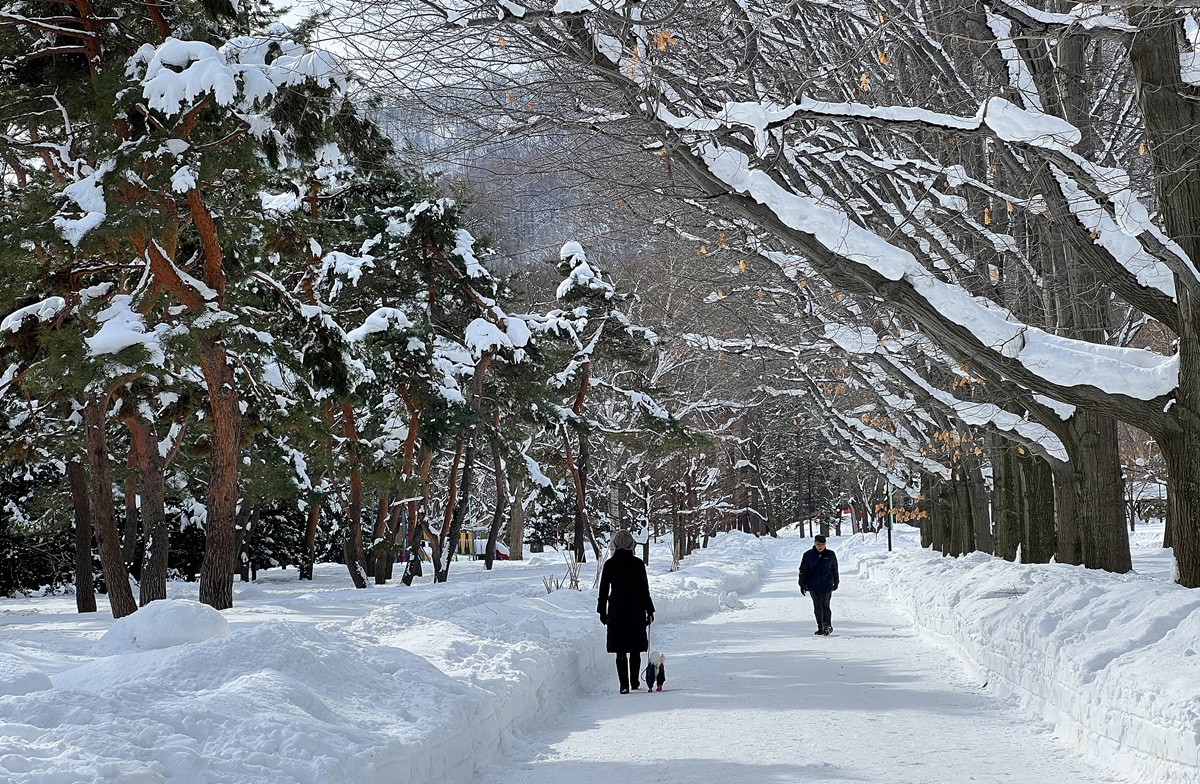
[821,608]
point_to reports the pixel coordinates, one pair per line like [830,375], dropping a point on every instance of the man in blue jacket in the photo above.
[819,577]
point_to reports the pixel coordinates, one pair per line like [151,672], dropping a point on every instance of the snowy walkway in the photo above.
[754,696]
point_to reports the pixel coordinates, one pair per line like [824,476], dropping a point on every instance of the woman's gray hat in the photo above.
[623,540]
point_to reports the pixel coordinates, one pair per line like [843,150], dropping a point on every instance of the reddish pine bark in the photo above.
[152,480]
[220,535]
[108,537]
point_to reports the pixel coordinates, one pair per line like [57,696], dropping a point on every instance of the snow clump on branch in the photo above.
[176,73]
[581,277]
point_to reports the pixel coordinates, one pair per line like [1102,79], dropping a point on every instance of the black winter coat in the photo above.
[819,571]
[625,602]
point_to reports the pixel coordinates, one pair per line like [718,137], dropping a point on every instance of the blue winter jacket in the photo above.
[819,571]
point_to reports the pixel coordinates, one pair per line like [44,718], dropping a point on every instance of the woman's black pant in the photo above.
[629,666]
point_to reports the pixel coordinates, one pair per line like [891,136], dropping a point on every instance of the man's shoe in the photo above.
[828,629]
[660,687]
[819,631]
[624,689]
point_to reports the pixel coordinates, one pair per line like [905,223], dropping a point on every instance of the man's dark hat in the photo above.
[819,539]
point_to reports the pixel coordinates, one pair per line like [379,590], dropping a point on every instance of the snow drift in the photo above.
[1110,660]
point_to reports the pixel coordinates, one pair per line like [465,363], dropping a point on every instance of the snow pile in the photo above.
[17,677]
[163,624]
[316,682]
[734,567]
[1110,660]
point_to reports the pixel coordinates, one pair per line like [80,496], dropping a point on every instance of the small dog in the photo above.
[656,671]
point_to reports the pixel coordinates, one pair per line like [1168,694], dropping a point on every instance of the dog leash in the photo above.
[649,652]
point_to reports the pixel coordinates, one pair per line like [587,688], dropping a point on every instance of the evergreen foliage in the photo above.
[266,339]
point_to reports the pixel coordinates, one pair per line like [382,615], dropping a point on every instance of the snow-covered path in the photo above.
[754,696]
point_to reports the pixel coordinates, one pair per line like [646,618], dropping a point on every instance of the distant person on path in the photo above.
[626,609]
[819,577]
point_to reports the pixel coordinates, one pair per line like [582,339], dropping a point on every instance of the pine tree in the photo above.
[138,155]
[598,329]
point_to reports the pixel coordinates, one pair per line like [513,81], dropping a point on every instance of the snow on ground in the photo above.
[489,678]
[317,682]
[1108,660]
[753,696]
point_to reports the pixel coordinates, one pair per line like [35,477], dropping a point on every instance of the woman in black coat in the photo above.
[626,609]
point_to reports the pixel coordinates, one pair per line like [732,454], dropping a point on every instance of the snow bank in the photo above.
[302,683]
[17,677]
[735,564]
[163,624]
[1110,660]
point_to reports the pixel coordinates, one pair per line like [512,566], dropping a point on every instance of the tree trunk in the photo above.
[412,563]
[460,509]
[381,540]
[1038,481]
[1099,491]
[516,524]
[689,526]
[413,568]
[864,510]
[152,481]
[85,587]
[591,537]
[930,523]
[1172,121]
[965,537]
[1067,546]
[676,527]
[489,550]
[1006,506]
[416,520]
[309,557]
[977,497]
[577,476]
[621,523]
[398,531]
[108,537]
[946,535]
[220,535]
[937,533]
[129,528]
[352,544]
[1183,498]
[451,502]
